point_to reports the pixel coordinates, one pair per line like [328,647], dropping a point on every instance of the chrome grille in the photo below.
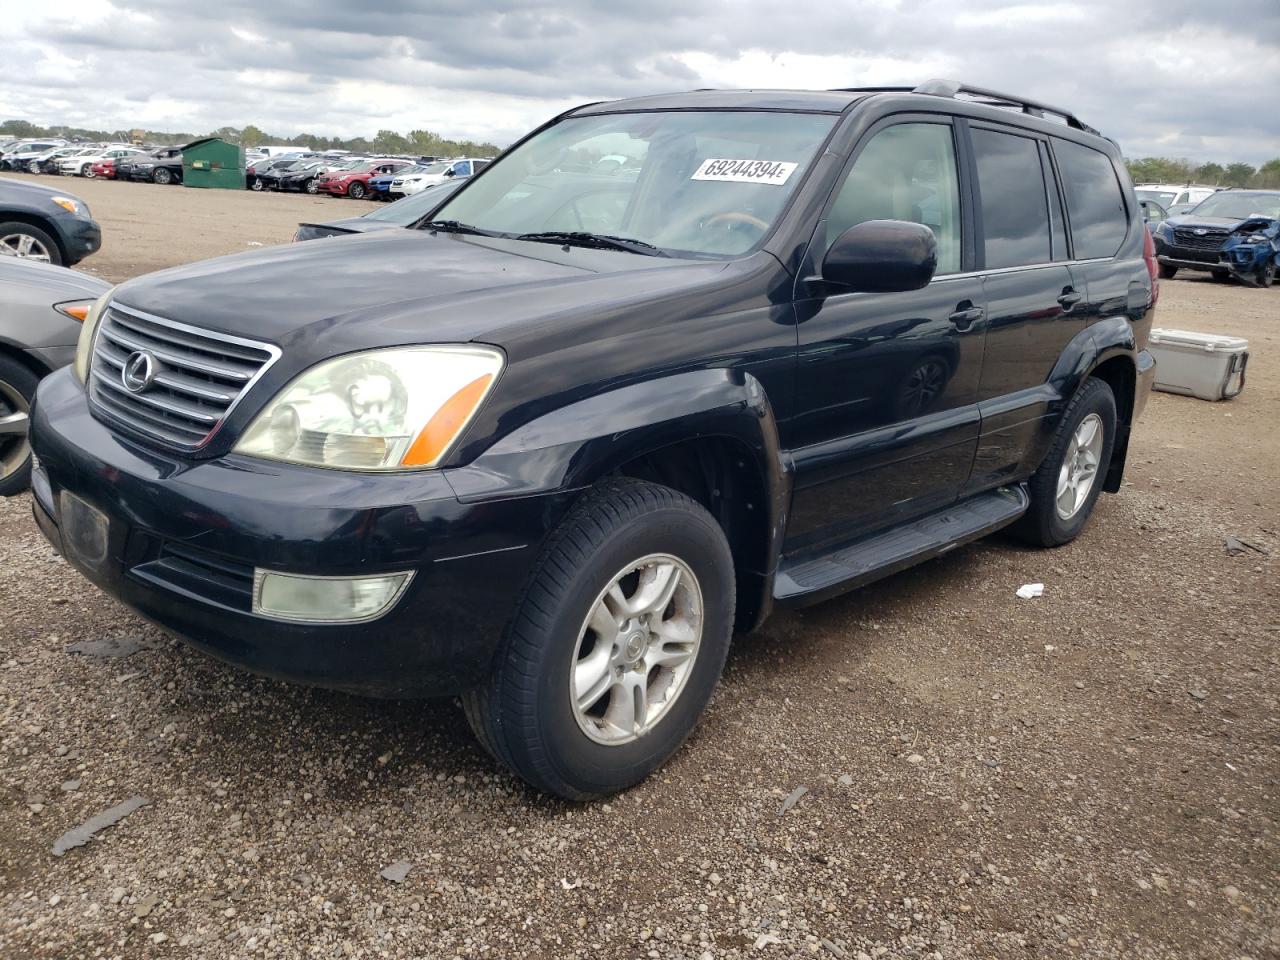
[1212,240]
[195,376]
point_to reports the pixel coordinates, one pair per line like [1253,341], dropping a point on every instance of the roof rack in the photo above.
[953,89]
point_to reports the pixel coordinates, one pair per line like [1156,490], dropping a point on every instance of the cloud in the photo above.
[1169,77]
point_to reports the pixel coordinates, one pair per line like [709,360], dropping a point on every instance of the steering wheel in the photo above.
[737,216]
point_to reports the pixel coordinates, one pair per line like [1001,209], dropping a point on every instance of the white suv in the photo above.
[438,173]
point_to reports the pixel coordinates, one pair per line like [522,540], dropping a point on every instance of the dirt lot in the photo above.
[1090,774]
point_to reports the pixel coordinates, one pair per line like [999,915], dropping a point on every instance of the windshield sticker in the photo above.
[773,172]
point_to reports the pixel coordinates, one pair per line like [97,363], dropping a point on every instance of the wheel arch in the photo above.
[710,434]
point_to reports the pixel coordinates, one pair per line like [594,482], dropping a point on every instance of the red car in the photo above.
[355,183]
[105,168]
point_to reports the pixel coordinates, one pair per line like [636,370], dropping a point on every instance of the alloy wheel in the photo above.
[1079,470]
[25,246]
[636,649]
[15,416]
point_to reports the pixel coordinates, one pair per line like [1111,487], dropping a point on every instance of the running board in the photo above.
[810,579]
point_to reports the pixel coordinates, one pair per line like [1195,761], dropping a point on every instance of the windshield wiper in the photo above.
[454,226]
[600,241]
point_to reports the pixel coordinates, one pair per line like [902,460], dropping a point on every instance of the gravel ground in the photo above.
[1089,774]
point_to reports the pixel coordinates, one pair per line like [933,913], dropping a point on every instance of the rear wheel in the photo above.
[17,388]
[356,191]
[28,242]
[1167,272]
[616,647]
[1066,486]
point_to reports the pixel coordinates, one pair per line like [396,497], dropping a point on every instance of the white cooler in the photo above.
[1204,365]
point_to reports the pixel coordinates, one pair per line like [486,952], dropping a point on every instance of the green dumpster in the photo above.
[213,163]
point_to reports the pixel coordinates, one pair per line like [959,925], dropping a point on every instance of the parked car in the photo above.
[51,226]
[48,162]
[549,449]
[304,178]
[354,182]
[163,166]
[1152,213]
[401,213]
[41,309]
[21,154]
[438,173]
[81,165]
[1232,233]
[105,169]
[1162,194]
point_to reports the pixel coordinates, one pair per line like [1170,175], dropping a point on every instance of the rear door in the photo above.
[1035,303]
[887,419]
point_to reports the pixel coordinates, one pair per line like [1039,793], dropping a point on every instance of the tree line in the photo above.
[415,143]
[1166,170]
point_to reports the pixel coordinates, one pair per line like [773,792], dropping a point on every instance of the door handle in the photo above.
[1069,298]
[964,319]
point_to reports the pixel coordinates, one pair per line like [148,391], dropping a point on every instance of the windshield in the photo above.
[1162,197]
[697,183]
[1236,206]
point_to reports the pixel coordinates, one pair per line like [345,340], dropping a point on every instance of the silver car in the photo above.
[41,308]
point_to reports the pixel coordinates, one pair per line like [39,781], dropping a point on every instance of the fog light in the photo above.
[290,596]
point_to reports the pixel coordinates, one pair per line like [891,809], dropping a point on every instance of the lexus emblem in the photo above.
[139,371]
[1201,231]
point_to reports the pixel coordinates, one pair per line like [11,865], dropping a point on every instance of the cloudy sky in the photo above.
[1178,78]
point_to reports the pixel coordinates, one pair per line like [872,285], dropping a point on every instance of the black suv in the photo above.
[550,448]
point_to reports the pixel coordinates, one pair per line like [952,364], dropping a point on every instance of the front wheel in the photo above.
[1266,275]
[87,172]
[17,388]
[162,176]
[1066,485]
[312,187]
[616,647]
[1167,272]
[356,191]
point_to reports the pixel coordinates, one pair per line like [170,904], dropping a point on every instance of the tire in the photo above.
[87,172]
[312,187]
[1267,274]
[17,389]
[29,242]
[525,714]
[256,185]
[162,176]
[1167,272]
[356,191]
[1044,524]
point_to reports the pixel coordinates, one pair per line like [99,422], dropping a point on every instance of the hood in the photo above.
[47,283]
[400,286]
[19,190]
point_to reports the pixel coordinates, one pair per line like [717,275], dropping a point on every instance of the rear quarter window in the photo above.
[1095,203]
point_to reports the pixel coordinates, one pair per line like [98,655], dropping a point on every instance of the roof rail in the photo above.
[953,89]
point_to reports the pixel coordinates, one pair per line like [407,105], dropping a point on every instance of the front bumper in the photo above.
[183,538]
[80,236]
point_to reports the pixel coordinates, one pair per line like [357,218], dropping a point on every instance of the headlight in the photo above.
[390,409]
[68,204]
[84,346]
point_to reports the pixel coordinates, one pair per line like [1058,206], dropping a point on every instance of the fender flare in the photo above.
[571,448]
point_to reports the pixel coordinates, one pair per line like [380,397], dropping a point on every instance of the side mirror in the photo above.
[882,256]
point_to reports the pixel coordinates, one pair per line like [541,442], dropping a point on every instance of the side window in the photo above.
[1015,210]
[462,169]
[1095,205]
[906,172]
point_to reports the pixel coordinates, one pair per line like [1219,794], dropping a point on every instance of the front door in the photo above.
[887,420]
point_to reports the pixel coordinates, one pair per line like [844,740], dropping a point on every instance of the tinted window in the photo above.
[906,172]
[1015,211]
[1099,220]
